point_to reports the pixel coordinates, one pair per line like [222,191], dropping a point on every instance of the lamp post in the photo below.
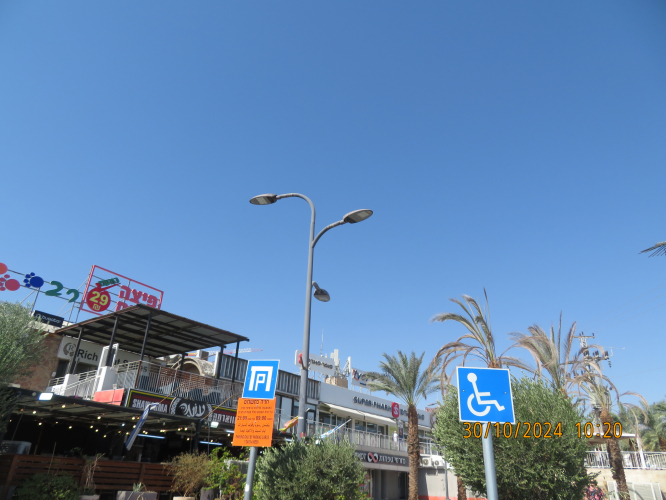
[320,294]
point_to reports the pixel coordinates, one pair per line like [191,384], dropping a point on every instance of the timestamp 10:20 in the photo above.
[610,432]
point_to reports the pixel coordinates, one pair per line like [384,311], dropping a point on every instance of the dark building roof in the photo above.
[168,333]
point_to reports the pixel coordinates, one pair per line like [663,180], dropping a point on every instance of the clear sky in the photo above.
[516,146]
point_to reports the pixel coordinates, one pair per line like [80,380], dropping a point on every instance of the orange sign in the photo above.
[254,422]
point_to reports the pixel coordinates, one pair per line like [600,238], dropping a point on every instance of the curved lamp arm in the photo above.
[330,226]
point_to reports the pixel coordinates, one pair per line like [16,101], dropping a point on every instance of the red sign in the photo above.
[106,288]
[395,410]
[98,299]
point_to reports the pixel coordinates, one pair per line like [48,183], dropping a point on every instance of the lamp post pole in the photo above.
[303,393]
[351,218]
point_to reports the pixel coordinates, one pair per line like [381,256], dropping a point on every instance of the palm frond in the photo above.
[656,249]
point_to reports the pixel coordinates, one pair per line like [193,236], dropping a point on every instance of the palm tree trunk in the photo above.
[462,491]
[413,452]
[615,457]
[662,443]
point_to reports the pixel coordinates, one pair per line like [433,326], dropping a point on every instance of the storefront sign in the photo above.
[254,424]
[367,403]
[49,319]
[107,290]
[318,364]
[183,407]
[14,280]
[90,353]
[358,378]
[392,408]
[380,458]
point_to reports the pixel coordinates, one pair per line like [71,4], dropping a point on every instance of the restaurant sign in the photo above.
[181,407]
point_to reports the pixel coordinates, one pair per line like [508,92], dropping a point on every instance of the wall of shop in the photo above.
[367,403]
[42,371]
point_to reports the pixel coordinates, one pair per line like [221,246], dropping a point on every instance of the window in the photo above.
[324,418]
[370,427]
[360,425]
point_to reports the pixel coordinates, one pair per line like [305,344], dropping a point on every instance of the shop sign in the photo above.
[380,458]
[254,423]
[14,280]
[358,378]
[182,407]
[107,290]
[392,408]
[90,353]
[318,364]
[49,319]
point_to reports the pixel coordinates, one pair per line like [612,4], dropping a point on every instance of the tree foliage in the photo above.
[21,338]
[527,468]
[482,347]
[402,376]
[21,347]
[224,473]
[302,471]
[48,487]
[189,471]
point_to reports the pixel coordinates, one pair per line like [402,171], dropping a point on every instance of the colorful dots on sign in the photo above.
[8,284]
[33,281]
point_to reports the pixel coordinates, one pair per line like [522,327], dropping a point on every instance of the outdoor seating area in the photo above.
[110,476]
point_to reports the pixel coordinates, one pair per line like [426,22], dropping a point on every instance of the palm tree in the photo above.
[654,433]
[477,323]
[656,249]
[402,377]
[564,368]
[480,332]
[599,392]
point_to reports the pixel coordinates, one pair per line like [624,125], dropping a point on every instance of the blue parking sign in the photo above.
[484,395]
[261,378]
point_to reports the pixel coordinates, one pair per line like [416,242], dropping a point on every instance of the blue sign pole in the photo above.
[484,395]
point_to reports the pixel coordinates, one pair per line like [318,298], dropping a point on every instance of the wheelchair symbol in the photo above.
[487,403]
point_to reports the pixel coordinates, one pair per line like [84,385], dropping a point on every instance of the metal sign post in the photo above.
[260,382]
[484,395]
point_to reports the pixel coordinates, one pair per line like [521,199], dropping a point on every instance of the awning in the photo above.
[168,333]
[367,416]
[364,416]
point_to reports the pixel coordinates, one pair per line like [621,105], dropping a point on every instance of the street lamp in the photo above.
[320,293]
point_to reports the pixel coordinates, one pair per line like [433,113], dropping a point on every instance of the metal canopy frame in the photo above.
[152,332]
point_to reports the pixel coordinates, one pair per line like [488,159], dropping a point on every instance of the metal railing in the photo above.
[361,438]
[84,387]
[630,460]
[159,379]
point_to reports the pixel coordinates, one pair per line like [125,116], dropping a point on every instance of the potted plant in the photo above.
[138,493]
[189,471]
[88,471]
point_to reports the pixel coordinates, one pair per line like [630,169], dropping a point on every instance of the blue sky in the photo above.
[516,146]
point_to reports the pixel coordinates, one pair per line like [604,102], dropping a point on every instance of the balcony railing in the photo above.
[370,439]
[159,379]
[161,376]
[630,460]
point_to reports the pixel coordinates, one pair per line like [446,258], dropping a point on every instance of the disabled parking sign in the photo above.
[484,395]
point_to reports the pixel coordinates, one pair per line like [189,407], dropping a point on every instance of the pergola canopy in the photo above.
[167,332]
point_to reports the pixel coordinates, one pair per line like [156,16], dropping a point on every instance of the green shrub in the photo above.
[527,468]
[225,475]
[300,471]
[48,487]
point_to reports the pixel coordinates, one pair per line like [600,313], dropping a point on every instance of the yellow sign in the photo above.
[254,422]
